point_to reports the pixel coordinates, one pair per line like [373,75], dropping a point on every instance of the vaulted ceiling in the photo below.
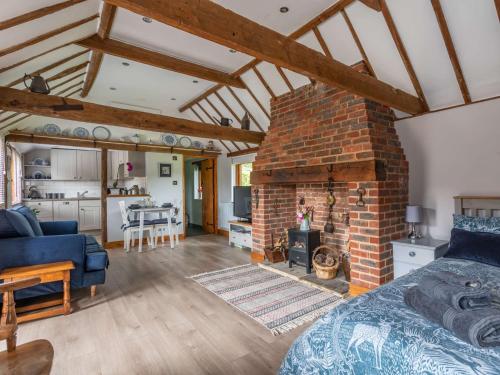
[443,52]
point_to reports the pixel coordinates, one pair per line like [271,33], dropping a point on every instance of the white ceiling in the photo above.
[473,24]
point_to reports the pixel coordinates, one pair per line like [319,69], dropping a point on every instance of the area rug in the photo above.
[277,302]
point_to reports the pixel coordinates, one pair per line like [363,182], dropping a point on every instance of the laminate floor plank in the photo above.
[151,318]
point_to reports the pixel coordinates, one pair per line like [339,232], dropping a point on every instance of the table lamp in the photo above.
[413,217]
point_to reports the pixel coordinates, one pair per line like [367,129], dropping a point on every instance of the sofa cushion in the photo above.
[31,217]
[14,224]
[96,258]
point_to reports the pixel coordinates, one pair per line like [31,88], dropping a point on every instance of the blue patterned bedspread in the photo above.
[377,333]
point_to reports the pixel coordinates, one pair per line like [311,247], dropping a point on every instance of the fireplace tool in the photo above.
[330,201]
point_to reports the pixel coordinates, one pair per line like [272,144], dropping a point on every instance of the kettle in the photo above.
[34,193]
[245,121]
[224,121]
[38,85]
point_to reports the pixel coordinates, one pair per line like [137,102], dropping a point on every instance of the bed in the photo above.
[377,333]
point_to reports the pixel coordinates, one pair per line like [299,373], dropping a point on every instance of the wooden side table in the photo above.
[47,273]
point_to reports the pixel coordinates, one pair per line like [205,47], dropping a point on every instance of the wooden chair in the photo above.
[34,357]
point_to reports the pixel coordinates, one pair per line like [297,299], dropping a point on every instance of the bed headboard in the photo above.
[484,206]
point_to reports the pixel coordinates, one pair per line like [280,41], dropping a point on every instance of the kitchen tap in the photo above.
[82,195]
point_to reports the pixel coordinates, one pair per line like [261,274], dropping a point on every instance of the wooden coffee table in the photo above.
[47,273]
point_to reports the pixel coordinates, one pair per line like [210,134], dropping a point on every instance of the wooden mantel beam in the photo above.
[213,22]
[156,59]
[43,105]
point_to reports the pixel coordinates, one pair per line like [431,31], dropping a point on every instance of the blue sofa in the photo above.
[25,241]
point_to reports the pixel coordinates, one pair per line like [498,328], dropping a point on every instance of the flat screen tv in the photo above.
[243,202]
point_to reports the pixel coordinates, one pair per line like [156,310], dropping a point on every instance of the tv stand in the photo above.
[240,234]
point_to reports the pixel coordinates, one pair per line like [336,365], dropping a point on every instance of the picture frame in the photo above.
[165,170]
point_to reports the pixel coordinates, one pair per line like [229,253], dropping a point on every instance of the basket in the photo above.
[275,256]
[325,272]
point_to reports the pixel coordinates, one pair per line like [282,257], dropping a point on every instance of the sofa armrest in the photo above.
[51,228]
[27,251]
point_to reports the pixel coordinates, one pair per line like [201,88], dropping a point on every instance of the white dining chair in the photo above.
[162,227]
[130,228]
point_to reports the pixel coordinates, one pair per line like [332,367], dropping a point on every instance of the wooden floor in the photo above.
[150,319]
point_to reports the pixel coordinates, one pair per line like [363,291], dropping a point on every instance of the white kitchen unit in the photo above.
[65,210]
[409,254]
[89,214]
[117,164]
[240,234]
[74,164]
[45,210]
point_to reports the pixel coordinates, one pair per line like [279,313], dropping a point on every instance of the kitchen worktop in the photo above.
[126,195]
[61,199]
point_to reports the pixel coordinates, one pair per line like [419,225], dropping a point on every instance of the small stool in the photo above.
[47,273]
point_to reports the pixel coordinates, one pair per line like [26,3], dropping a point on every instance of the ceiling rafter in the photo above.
[38,104]
[497,5]
[240,102]
[322,42]
[158,60]
[214,108]
[373,4]
[358,42]
[213,122]
[38,13]
[254,97]
[228,107]
[285,78]
[201,119]
[404,55]
[50,34]
[107,16]
[68,71]
[264,82]
[448,41]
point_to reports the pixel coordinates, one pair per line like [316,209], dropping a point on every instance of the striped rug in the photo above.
[277,302]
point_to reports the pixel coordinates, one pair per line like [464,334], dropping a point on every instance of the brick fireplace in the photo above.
[318,125]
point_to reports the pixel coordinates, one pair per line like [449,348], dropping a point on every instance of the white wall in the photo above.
[162,189]
[453,152]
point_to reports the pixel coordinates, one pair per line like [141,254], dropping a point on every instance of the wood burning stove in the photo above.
[301,245]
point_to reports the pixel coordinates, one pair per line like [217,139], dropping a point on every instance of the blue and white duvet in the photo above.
[377,333]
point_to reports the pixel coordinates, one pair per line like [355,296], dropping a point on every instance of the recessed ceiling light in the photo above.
[284,9]
[232,50]
[125,63]
[112,88]
[173,99]
[195,81]
[147,19]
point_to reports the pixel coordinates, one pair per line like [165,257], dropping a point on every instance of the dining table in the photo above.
[169,212]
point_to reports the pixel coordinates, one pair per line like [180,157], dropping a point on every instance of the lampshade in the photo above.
[413,214]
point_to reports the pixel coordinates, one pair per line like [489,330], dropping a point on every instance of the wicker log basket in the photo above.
[323,271]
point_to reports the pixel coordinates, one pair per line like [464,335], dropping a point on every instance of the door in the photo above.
[86,165]
[65,210]
[63,164]
[209,189]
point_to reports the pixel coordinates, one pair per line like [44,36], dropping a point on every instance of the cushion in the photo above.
[477,224]
[31,217]
[96,258]
[135,223]
[482,247]
[14,224]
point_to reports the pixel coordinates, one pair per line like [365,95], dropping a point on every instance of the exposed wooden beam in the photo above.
[159,60]
[254,97]
[374,4]
[448,41]
[228,107]
[264,82]
[24,137]
[68,71]
[213,22]
[104,194]
[358,42]
[365,170]
[33,15]
[201,119]
[71,79]
[285,78]
[107,16]
[497,5]
[199,98]
[252,150]
[404,56]
[322,42]
[48,67]
[245,108]
[38,104]
[212,119]
[46,36]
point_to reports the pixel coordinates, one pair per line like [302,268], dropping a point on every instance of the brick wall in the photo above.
[318,124]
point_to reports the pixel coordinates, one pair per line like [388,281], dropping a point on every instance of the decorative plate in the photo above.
[185,142]
[198,144]
[52,129]
[101,133]
[38,175]
[38,161]
[169,139]
[81,132]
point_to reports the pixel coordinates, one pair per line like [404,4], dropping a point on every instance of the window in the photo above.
[243,174]
[197,187]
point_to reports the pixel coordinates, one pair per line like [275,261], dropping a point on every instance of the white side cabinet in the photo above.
[409,255]
[45,210]
[240,234]
[65,210]
[90,215]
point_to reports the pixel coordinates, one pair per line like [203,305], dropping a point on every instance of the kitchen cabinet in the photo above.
[90,215]
[118,164]
[74,164]
[45,210]
[65,210]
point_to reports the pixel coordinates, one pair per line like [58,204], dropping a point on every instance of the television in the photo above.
[242,196]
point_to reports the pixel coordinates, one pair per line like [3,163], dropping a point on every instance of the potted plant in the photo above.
[305,216]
